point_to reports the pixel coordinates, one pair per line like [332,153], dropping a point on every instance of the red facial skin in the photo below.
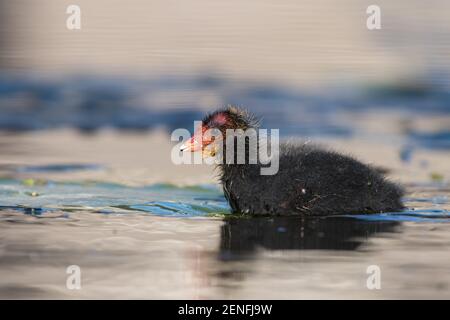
[198,141]
[202,136]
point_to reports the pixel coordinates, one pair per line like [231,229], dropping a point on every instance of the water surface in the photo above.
[168,241]
[85,172]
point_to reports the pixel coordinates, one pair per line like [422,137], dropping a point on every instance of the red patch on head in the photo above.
[220,119]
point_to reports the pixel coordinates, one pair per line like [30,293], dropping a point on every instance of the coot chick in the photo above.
[310,180]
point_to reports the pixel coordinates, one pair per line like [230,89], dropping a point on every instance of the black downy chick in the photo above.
[310,180]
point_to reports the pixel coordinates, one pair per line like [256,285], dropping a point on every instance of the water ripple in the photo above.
[40,198]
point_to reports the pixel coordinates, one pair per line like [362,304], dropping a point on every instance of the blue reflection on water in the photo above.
[161,199]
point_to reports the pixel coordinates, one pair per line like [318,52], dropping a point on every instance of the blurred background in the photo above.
[142,64]
[312,69]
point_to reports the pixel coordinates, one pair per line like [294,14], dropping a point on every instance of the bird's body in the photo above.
[309,180]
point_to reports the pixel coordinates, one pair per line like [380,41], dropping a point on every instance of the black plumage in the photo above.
[310,180]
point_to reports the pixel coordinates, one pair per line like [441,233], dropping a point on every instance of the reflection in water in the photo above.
[241,237]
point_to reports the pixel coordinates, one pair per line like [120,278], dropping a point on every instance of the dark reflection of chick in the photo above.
[240,237]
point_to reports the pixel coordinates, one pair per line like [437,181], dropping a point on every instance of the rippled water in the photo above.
[166,241]
[37,197]
[40,197]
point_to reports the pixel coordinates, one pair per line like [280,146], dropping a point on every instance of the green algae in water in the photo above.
[437,177]
[34,182]
[110,198]
[169,208]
